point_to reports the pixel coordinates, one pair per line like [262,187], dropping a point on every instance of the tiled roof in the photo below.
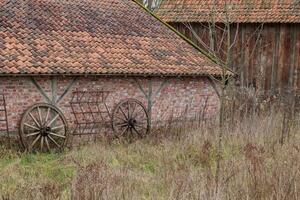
[239,11]
[92,37]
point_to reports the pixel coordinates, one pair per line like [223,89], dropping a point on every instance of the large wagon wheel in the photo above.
[43,127]
[130,119]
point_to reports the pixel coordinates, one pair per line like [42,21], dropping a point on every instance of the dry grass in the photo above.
[164,166]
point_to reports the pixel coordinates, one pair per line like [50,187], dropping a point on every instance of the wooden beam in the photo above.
[74,80]
[149,96]
[140,87]
[160,87]
[149,99]
[53,89]
[40,89]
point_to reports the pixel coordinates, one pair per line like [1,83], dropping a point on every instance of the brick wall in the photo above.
[178,97]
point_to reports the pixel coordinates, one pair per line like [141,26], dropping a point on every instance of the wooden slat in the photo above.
[284,57]
[235,42]
[243,71]
[297,60]
[276,59]
[258,70]
[239,54]
[252,58]
[268,43]
[293,32]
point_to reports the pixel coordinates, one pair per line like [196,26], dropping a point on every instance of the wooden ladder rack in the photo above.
[3,117]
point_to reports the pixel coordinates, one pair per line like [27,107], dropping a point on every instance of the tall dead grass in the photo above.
[172,163]
[254,165]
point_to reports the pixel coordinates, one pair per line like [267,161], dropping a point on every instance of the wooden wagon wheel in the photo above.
[43,127]
[130,119]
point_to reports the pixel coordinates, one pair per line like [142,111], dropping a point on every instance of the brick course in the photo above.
[177,96]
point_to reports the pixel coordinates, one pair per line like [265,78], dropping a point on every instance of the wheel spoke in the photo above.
[53,141]
[61,136]
[124,131]
[120,118]
[58,127]
[57,115]
[123,113]
[32,134]
[131,134]
[139,111]
[139,134]
[133,109]
[35,141]
[43,127]
[141,126]
[141,123]
[42,143]
[47,115]
[128,109]
[121,124]
[47,143]
[35,121]
[33,127]
[40,115]
[142,119]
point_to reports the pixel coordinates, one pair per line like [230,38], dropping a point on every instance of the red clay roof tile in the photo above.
[92,36]
[239,11]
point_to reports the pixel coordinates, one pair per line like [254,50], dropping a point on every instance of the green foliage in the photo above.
[34,173]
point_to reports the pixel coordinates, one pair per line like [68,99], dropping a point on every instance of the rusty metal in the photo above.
[3,117]
[43,127]
[129,117]
[90,111]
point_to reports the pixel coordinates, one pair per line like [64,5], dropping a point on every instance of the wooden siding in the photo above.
[267,57]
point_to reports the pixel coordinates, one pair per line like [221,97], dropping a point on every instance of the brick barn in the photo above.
[51,48]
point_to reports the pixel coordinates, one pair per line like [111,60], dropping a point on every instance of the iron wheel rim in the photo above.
[130,120]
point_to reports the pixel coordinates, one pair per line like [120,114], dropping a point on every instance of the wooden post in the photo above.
[40,90]
[68,88]
[53,89]
[150,95]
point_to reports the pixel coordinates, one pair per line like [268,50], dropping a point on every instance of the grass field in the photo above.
[171,165]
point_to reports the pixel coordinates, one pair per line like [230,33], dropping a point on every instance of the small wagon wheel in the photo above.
[130,119]
[43,127]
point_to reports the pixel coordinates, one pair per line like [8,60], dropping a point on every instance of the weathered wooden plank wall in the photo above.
[267,58]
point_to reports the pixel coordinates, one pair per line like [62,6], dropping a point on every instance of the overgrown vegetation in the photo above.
[167,165]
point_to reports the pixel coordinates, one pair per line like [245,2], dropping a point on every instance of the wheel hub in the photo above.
[131,122]
[45,131]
